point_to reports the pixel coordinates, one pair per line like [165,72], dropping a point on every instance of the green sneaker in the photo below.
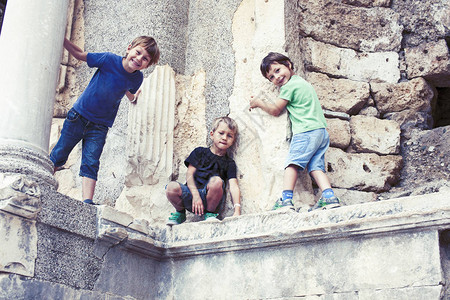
[210,216]
[176,218]
[283,204]
[326,203]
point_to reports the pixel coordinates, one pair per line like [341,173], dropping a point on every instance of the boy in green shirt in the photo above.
[310,138]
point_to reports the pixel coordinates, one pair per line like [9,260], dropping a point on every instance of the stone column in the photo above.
[31,44]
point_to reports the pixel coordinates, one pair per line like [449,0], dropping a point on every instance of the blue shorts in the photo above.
[307,150]
[186,196]
[75,129]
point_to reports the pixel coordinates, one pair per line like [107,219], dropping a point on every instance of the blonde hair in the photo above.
[232,125]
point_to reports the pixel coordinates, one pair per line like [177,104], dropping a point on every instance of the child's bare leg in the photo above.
[290,177]
[173,193]
[328,199]
[215,193]
[321,179]
[88,187]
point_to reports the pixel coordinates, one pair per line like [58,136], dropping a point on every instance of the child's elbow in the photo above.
[276,112]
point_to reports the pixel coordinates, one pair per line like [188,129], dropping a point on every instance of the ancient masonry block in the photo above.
[150,129]
[19,204]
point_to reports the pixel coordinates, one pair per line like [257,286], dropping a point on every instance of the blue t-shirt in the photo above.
[100,100]
[208,164]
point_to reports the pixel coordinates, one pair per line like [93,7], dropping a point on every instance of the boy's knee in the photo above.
[173,187]
[215,183]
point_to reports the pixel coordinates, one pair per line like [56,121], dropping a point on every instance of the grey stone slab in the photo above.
[125,274]
[20,288]
[315,268]
[66,258]
[18,244]
[67,213]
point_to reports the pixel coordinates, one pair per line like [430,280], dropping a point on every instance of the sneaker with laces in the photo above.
[283,204]
[210,216]
[89,201]
[326,203]
[176,218]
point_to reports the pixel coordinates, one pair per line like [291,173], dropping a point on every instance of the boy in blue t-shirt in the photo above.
[95,110]
[310,138]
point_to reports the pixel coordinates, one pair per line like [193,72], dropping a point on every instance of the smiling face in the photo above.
[279,74]
[222,138]
[137,59]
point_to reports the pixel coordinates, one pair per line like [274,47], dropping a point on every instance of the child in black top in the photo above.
[208,171]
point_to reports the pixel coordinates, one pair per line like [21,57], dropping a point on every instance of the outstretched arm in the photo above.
[76,51]
[272,108]
[197,203]
[235,196]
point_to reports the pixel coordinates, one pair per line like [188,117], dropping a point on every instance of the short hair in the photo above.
[149,44]
[233,126]
[274,57]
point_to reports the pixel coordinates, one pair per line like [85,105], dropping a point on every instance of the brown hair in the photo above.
[149,44]
[274,57]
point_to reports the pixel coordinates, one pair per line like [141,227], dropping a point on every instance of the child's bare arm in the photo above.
[76,51]
[272,108]
[197,203]
[133,97]
[235,196]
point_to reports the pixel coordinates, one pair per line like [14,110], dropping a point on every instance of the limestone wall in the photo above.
[378,77]
[57,248]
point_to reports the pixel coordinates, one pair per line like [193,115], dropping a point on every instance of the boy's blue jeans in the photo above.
[75,129]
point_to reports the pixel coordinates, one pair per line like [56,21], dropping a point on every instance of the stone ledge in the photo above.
[269,229]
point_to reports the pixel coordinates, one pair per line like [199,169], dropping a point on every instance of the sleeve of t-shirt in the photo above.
[96,60]
[232,170]
[286,93]
[138,84]
[193,158]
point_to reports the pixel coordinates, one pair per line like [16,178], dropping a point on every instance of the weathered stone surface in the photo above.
[18,240]
[351,197]
[347,63]
[410,119]
[370,111]
[414,95]
[15,287]
[368,3]
[252,247]
[339,131]
[423,21]
[336,115]
[431,61]
[426,159]
[150,130]
[341,95]
[361,29]
[370,134]
[20,196]
[365,250]
[362,171]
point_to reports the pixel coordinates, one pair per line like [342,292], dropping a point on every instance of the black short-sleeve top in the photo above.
[208,164]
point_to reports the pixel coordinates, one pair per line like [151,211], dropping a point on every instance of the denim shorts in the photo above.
[307,150]
[75,129]
[186,196]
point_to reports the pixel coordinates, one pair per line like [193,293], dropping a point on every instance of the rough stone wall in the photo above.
[380,63]
[379,78]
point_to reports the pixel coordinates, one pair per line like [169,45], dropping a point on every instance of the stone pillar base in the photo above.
[24,160]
